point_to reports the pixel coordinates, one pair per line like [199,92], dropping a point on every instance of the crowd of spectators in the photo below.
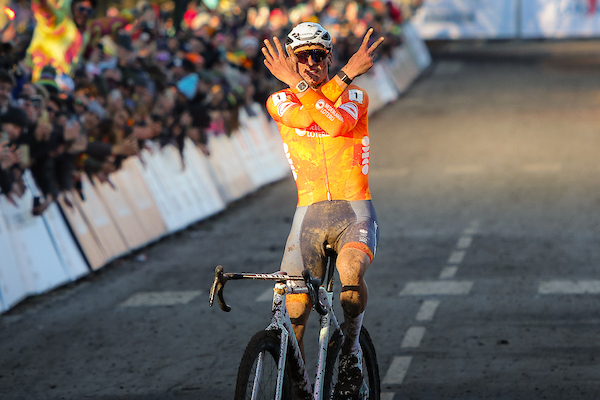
[157,79]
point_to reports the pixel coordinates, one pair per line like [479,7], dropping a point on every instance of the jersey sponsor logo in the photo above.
[366,154]
[364,236]
[286,150]
[311,134]
[375,225]
[351,109]
[283,107]
[328,110]
[313,131]
[356,95]
[278,97]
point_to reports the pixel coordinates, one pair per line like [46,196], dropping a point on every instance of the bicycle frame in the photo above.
[280,320]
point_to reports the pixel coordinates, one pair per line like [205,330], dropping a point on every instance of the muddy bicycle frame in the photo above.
[285,284]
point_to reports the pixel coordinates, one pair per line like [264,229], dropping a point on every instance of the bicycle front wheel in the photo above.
[257,375]
[370,366]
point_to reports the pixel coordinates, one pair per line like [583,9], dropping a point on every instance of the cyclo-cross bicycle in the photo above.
[272,363]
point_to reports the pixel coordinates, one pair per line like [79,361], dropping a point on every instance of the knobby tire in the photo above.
[269,343]
[370,366]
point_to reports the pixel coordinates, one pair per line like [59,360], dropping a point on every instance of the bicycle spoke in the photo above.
[265,378]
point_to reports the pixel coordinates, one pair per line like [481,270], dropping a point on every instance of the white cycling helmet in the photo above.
[308,33]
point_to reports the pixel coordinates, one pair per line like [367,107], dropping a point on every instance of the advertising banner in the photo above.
[198,167]
[467,19]
[232,176]
[66,248]
[99,221]
[560,18]
[12,288]
[160,195]
[38,263]
[125,220]
[88,240]
[416,46]
[129,180]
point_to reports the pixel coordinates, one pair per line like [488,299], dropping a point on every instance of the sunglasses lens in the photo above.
[317,56]
[85,10]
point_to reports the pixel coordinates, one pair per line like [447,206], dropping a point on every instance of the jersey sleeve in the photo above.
[285,108]
[332,91]
[340,120]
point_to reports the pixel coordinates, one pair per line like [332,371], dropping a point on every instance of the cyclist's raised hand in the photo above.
[281,66]
[362,60]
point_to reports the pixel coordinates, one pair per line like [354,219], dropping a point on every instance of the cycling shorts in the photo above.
[338,223]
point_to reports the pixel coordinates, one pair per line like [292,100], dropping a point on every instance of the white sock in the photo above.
[352,332]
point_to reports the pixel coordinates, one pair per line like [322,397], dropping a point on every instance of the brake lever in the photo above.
[313,285]
[217,288]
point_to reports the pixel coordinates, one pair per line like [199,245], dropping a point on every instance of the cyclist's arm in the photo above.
[359,63]
[336,121]
[285,108]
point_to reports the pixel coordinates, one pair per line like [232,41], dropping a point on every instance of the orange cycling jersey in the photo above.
[326,139]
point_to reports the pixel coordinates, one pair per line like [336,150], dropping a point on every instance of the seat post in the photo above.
[330,269]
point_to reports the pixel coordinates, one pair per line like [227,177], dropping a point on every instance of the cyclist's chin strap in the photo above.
[354,288]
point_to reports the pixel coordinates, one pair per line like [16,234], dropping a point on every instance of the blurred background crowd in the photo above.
[85,85]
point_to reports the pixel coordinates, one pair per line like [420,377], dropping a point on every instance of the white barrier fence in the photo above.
[156,194]
[502,19]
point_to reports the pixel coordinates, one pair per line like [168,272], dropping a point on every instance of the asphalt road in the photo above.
[484,176]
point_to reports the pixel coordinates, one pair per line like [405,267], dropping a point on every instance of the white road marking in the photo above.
[427,310]
[387,396]
[456,257]
[448,272]
[470,231]
[391,172]
[423,288]
[542,168]
[464,242]
[267,295]
[413,337]
[570,287]
[463,169]
[397,371]
[156,299]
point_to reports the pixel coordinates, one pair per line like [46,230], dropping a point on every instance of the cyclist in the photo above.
[324,126]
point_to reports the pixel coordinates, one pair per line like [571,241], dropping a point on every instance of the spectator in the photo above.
[98,93]
[7,83]
[14,121]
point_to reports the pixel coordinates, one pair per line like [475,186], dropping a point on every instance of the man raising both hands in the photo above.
[324,127]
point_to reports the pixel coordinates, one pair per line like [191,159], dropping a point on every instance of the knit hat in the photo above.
[48,79]
[16,116]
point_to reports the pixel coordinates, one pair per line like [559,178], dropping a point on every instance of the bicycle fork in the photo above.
[282,322]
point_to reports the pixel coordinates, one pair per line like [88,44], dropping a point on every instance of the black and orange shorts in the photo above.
[337,223]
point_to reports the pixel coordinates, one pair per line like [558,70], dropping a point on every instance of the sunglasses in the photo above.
[85,10]
[316,54]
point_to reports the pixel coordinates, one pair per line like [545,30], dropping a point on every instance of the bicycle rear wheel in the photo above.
[258,369]
[370,366]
